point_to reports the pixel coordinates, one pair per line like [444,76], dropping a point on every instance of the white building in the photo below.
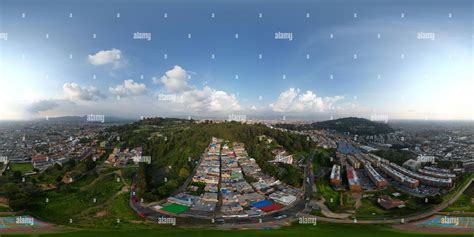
[283,198]
[4,160]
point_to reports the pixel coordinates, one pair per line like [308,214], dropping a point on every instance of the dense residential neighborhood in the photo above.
[224,171]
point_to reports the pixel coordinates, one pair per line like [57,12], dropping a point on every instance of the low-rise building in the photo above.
[335,177]
[389,203]
[283,198]
[353,179]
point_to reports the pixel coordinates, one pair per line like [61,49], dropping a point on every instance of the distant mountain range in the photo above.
[79,119]
[352,125]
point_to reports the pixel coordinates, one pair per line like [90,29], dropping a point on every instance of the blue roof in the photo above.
[346,148]
[262,203]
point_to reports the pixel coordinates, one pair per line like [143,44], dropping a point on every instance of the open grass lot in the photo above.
[464,201]
[325,190]
[21,167]
[459,184]
[322,229]
[77,203]
[370,209]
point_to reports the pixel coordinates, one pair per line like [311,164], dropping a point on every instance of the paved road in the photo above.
[186,183]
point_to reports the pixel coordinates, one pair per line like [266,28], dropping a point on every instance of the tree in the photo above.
[183,172]
[90,164]
[17,175]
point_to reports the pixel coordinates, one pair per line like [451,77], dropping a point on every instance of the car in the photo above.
[280,217]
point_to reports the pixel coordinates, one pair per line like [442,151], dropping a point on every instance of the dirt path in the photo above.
[118,172]
[125,189]
[358,200]
[328,213]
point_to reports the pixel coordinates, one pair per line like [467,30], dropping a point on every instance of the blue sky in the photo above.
[398,59]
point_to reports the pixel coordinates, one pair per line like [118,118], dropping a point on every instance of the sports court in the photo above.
[16,223]
[175,208]
[449,222]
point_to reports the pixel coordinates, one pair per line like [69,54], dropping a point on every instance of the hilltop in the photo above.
[352,125]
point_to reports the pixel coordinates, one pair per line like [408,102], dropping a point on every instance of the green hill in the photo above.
[352,125]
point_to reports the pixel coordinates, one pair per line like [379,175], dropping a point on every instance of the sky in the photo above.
[316,60]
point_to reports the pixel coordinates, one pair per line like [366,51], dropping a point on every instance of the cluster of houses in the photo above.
[236,192]
[235,181]
[126,156]
[265,193]
[282,156]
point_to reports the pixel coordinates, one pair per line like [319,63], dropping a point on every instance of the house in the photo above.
[283,198]
[412,165]
[183,199]
[209,197]
[389,203]
[336,175]
[4,160]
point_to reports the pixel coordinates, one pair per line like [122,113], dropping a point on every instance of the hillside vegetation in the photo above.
[176,145]
[352,125]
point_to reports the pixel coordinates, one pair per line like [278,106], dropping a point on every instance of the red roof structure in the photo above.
[272,207]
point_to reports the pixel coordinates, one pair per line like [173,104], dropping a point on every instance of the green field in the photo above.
[326,191]
[175,208]
[77,203]
[463,204]
[321,229]
[21,167]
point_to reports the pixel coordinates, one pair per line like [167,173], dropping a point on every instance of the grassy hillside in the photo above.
[352,125]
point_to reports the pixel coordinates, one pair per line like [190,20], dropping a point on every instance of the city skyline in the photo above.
[308,61]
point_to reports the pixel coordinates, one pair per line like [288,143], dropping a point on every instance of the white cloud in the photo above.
[174,80]
[292,100]
[77,92]
[128,88]
[41,105]
[209,99]
[104,57]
